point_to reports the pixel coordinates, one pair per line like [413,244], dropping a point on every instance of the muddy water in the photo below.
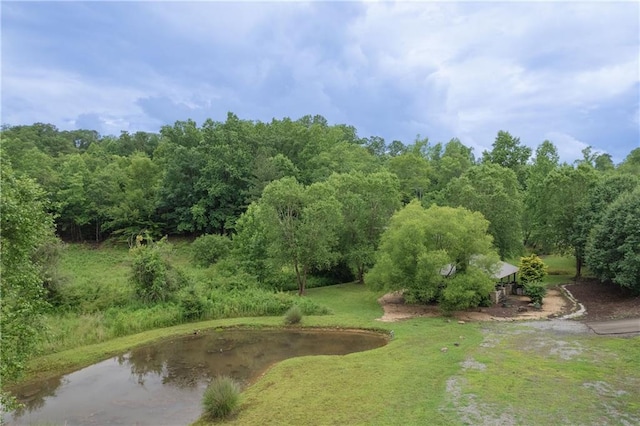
[162,384]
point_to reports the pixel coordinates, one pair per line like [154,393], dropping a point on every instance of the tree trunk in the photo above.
[361,273]
[298,278]
[578,266]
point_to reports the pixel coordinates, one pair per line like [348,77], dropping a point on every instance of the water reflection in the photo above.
[163,383]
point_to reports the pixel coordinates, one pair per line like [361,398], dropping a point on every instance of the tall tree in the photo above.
[301,225]
[545,162]
[367,203]
[421,247]
[613,252]
[492,190]
[413,171]
[566,192]
[631,163]
[455,160]
[510,153]
[25,226]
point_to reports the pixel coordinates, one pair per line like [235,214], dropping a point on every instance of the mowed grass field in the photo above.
[490,373]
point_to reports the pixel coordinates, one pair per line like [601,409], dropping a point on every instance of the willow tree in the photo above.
[437,254]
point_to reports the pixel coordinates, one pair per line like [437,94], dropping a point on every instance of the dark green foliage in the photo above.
[293,315]
[153,277]
[536,291]
[493,191]
[221,398]
[25,229]
[613,251]
[208,249]
[532,269]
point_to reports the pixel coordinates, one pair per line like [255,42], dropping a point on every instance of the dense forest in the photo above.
[190,180]
[293,201]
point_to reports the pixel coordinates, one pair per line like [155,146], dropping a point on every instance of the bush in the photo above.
[532,269]
[221,398]
[464,291]
[208,249]
[293,315]
[191,304]
[536,291]
[47,256]
[153,276]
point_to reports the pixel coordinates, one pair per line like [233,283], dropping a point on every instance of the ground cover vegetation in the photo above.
[254,210]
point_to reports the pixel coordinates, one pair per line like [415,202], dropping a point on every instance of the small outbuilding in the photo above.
[507,273]
[507,280]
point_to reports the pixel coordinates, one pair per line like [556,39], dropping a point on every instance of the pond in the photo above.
[163,383]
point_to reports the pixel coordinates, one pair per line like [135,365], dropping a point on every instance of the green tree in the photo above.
[493,191]
[133,206]
[454,161]
[421,249]
[613,251]
[72,198]
[301,225]
[25,228]
[631,163]
[413,171]
[604,163]
[545,162]
[367,203]
[565,196]
[181,166]
[510,153]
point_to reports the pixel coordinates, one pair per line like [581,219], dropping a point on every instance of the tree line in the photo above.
[194,180]
[293,200]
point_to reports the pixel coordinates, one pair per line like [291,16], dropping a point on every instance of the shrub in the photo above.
[191,304]
[532,269]
[208,249]
[221,398]
[153,276]
[536,291]
[47,256]
[293,315]
[465,291]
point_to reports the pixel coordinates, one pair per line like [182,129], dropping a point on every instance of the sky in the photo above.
[568,72]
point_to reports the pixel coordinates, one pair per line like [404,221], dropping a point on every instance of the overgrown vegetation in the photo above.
[208,249]
[289,204]
[154,278]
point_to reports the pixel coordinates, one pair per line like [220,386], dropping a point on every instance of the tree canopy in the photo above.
[421,249]
[192,179]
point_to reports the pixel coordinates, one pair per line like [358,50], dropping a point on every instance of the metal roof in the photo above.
[505,270]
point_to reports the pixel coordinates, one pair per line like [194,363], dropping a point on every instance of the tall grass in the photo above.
[98,303]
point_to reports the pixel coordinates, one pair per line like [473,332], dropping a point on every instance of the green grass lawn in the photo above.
[498,373]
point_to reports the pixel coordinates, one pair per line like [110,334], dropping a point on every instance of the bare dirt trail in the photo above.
[555,304]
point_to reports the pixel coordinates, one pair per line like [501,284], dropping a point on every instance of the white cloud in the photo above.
[395,69]
[569,148]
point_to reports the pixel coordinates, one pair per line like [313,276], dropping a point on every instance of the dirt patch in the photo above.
[605,301]
[515,308]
